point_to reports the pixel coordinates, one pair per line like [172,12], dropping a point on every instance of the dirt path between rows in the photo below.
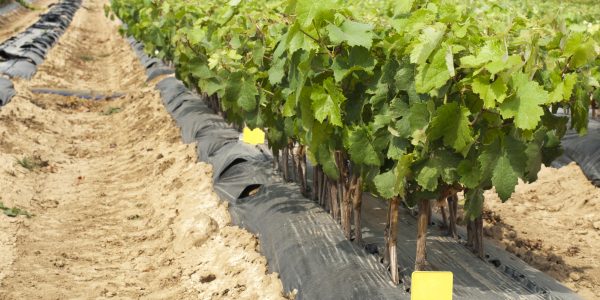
[554,225]
[21,18]
[120,208]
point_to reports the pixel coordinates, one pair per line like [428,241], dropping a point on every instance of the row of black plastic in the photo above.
[299,239]
[23,53]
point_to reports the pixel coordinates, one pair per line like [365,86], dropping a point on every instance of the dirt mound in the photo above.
[554,225]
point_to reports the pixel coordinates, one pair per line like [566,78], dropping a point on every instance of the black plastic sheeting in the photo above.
[22,54]
[584,150]
[236,166]
[154,66]
[88,95]
[307,247]
[300,240]
[7,91]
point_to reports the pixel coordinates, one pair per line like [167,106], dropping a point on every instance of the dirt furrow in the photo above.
[120,207]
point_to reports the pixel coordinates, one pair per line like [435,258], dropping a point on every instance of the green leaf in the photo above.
[505,178]
[534,155]
[326,102]
[432,76]
[276,72]
[415,119]
[297,39]
[385,184]
[402,6]
[492,50]
[489,93]
[195,35]
[470,173]
[525,107]
[358,59]
[360,147]
[501,64]
[452,123]
[580,111]
[326,159]
[428,176]
[241,89]
[563,89]
[404,79]
[403,171]
[428,41]
[353,33]
[579,49]
[289,108]
[393,182]
[397,148]
[308,11]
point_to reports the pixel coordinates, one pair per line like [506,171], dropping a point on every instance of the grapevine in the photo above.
[409,100]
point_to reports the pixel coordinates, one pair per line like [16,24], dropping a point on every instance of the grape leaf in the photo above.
[452,123]
[414,119]
[432,76]
[276,72]
[297,39]
[393,182]
[326,102]
[580,111]
[492,50]
[489,93]
[429,40]
[501,64]
[505,178]
[427,177]
[325,158]
[385,184]
[525,106]
[308,11]
[353,33]
[402,6]
[240,88]
[358,59]
[360,147]
[469,172]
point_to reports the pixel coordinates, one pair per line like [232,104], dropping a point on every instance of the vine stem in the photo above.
[392,238]
[357,207]
[421,263]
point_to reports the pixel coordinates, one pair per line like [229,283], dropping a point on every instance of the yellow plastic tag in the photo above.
[428,285]
[253,137]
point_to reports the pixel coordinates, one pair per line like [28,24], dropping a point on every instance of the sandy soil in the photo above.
[21,18]
[554,225]
[120,208]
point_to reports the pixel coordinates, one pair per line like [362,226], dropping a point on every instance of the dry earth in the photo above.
[120,208]
[554,225]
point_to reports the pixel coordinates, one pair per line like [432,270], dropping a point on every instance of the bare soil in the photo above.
[554,225]
[119,206]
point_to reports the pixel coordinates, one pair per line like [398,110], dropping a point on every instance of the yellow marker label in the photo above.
[431,285]
[253,137]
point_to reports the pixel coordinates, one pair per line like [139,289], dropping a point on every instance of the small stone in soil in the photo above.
[574,276]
